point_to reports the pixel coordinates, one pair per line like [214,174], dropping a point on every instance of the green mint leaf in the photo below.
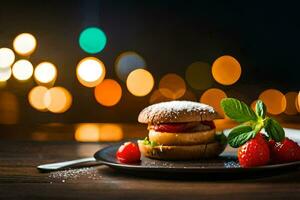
[240,135]
[146,141]
[260,109]
[274,130]
[238,110]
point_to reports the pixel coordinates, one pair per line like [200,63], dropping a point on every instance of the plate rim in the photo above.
[185,169]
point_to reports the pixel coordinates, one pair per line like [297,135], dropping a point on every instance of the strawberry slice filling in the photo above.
[183,127]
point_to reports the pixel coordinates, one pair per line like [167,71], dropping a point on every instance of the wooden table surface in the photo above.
[19,178]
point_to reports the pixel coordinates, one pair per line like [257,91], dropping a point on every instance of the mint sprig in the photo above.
[252,122]
[238,110]
[274,130]
[146,141]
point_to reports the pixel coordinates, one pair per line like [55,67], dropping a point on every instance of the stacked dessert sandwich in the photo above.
[180,130]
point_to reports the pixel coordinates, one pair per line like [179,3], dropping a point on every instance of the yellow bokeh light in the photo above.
[7,57]
[57,100]
[226,70]
[213,98]
[291,103]
[24,44]
[108,92]
[90,71]
[5,74]
[98,132]
[140,82]
[45,73]
[36,98]
[110,133]
[87,133]
[198,75]
[275,101]
[172,86]
[22,70]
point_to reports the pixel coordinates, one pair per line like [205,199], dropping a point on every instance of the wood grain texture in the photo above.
[19,178]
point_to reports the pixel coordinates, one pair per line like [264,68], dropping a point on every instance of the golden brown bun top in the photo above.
[176,112]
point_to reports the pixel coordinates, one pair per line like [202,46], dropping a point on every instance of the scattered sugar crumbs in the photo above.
[73,174]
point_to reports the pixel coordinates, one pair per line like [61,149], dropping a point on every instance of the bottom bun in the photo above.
[191,152]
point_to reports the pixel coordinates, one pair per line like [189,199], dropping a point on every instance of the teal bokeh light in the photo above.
[92,40]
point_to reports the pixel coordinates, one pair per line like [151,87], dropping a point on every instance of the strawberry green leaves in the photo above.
[237,110]
[274,130]
[252,122]
[240,135]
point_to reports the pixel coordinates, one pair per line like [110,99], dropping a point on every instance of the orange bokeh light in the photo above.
[58,100]
[213,98]
[108,92]
[275,101]
[88,132]
[36,98]
[157,97]
[140,82]
[188,96]
[226,70]
[291,103]
[172,86]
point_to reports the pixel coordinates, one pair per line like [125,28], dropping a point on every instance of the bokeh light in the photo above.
[58,100]
[45,73]
[127,62]
[226,70]
[5,74]
[92,40]
[172,86]
[9,108]
[140,82]
[98,132]
[7,57]
[22,70]
[87,133]
[213,98]
[198,75]
[36,98]
[90,71]
[24,44]
[157,97]
[188,96]
[275,101]
[291,103]
[110,132]
[108,92]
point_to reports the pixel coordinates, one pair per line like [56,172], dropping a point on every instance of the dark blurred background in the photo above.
[169,35]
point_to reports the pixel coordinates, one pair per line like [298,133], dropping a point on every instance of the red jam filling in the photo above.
[181,127]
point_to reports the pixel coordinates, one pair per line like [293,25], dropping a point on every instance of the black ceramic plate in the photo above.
[226,163]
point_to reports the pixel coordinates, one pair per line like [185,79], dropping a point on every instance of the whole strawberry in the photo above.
[285,151]
[254,152]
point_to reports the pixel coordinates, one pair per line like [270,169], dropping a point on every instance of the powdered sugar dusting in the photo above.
[179,106]
[177,111]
